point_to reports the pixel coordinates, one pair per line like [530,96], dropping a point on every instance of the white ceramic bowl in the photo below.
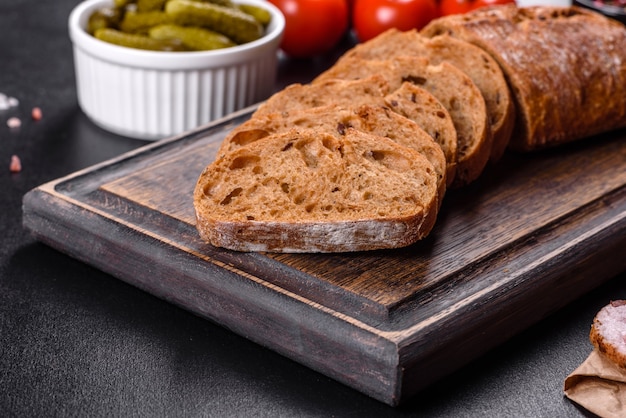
[151,95]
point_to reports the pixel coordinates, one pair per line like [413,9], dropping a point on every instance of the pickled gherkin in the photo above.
[107,17]
[132,40]
[140,22]
[263,16]
[150,5]
[226,3]
[123,3]
[235,24]
[193,38]
[178,25]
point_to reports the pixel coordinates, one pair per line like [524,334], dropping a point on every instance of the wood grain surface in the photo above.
[535,232]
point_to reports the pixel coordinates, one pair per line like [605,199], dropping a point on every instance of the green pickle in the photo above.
[193,38]
[123,3]
[141,22]
[263,16]
[106,17]
[178,25]
[150,5]
[226,3]
[235,24]
[137,41]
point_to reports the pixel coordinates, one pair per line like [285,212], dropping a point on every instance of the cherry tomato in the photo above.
[372,17]
[451,7]
[476,4]
[312,27]
[454,7]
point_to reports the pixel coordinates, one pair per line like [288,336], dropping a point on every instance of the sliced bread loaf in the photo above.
[335,120]
[566,68]
[453,88]
[413,102]
[472,60]
[306,191]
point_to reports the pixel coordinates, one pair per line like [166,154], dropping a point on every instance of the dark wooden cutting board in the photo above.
[534,233]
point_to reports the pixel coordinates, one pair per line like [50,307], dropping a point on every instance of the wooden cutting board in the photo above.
[534,233]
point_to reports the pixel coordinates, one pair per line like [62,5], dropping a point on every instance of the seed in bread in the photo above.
[305,191]
[608,332]
[472,60]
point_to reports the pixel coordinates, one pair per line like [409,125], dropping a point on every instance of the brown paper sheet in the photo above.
[599,386]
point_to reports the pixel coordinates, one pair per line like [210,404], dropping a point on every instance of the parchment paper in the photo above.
[599,386]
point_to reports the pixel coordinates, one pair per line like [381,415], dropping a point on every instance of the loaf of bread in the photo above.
[334,120]
[566,68]
[360,158]
[472,60]
[608,332]
[306,191]
[453,88]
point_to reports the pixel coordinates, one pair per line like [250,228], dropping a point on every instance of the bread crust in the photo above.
[566,68]
[472,60]
[312,237]
[453,88]
[242,221]
[365,91]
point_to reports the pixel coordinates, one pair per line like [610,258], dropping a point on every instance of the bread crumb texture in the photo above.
[310,191]
[296,177]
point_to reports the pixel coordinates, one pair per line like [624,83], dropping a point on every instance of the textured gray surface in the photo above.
[77,342]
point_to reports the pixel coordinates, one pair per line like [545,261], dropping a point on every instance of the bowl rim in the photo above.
[165,60]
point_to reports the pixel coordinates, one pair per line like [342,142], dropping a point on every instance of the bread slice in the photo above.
[334,120]
[566,68]
[418,105]
[472,60]
[367,90]
[306,191]
[454,89]
[608,332]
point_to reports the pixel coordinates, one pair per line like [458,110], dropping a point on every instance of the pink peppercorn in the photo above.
[36,113]
[16,164]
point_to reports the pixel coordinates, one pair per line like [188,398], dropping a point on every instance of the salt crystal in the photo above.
[14,123]
[4,102]
[7,102]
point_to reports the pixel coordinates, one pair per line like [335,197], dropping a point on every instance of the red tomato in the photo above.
[481,3]
[451,7]
[312,27]
[372,17]
[454,7]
